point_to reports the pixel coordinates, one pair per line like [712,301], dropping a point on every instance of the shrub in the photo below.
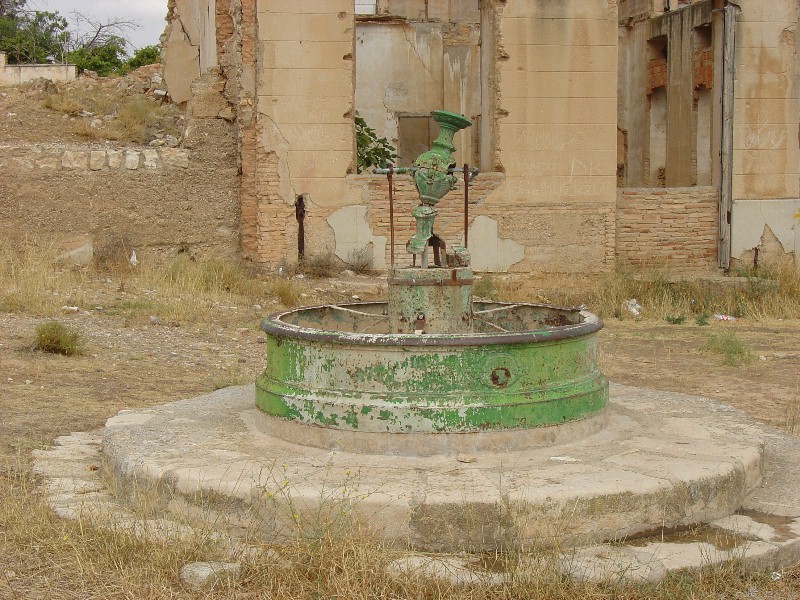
[285,291]
[56,338]
[360,259]
[734,352]
[319,265]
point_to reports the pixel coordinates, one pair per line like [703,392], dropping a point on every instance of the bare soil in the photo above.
[134,364]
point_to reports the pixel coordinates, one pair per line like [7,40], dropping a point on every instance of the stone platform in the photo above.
[665,461]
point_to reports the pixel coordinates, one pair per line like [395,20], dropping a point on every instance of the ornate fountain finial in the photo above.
[433,178]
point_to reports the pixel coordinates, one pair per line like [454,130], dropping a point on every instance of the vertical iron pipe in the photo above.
[466,204]
[391,216]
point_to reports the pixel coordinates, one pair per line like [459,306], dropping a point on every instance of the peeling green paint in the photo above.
[371,387]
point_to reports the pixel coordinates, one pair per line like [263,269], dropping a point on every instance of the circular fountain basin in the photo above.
[527,376]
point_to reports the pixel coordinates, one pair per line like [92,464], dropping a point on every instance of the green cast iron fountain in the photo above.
[430,371]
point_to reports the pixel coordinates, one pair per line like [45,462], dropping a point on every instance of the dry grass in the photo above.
[766,293]
[129,118]
[320,265]
[42,556]
[33,282]
[69,559]
[733,351]
[286,291]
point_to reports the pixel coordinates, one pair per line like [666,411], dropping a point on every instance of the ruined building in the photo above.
[638,132]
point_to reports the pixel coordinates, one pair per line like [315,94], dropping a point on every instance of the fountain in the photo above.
[430,371]
[448,424]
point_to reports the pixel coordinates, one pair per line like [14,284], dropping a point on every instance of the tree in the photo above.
[38,36]
[103,59]
[144,56]
[8,7]
[31,36]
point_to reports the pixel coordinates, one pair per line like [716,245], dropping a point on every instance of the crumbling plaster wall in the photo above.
[418,57]
[189,45]
[670,159]
[547,132]
[767,130]
[556,133]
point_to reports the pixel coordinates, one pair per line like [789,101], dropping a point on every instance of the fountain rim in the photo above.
[273,325]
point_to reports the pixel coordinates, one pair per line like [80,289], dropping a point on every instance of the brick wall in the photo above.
[704,68]
[667,228]
[449,224]
[656,74]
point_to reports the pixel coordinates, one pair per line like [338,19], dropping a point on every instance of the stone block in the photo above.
[750,34]
[575,164]
[323,191]
[151,158]
[50,161]
[560,137]
[752,84]
[319,137]
[313,163]
[562,9]
[534,111]
[468,11]
[588,32]
[298,109]
[439,9]
[765,112]
[75,159]
[765,161]
[308,54]
[316,7]
[560,85]
[181,65]
[408,9]
[133,159]
[307,82]
[115,159]
[760,185]
[780,11]
[561,58]
[97,160]
[175,158]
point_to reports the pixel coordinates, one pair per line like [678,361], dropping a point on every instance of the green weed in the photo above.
[57,338]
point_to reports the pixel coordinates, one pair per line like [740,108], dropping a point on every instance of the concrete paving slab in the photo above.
[664,460]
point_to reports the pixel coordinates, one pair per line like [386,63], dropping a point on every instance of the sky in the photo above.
[148,14]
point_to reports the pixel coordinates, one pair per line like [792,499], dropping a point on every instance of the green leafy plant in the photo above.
[675,320]
[701,319]
[733,351]
[147,55]
[57,338]
[371,151]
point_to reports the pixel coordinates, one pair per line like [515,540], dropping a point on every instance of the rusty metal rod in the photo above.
[389,172]
[403,170]
[466,204]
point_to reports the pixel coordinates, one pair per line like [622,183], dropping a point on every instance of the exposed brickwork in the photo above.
[668,228]
[249,199]
[656,74]
[449,224]
[704,68]
[225,28]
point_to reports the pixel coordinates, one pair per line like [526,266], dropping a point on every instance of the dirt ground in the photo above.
[133,364]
